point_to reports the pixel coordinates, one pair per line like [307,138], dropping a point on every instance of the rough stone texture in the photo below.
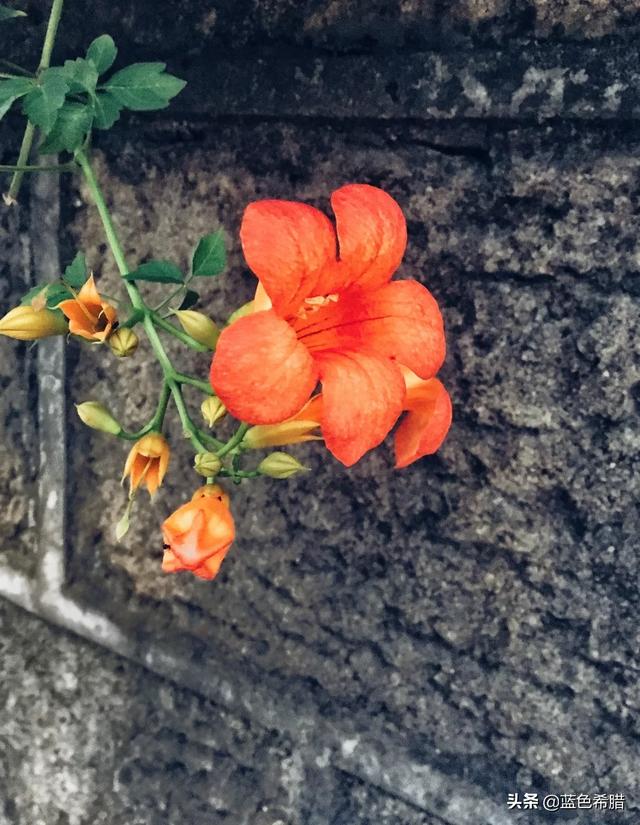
[91,739]
[18,460]
[480,607]
[195,26]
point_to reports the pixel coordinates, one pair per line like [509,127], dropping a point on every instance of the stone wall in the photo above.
[381,646]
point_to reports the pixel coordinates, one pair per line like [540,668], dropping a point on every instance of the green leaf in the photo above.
[106,110]
[162,272]
[102,53]
[190,299]
[8,14]
[210,257]
[81,74]
[11,90]
[41,105]
[53,294]
[70,129]
[76,274]
[144,86]
[56,293]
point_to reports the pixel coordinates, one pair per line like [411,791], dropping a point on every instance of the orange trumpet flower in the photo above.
[331,314]
[147,463]
[199,534]
[89,315]
[427,422]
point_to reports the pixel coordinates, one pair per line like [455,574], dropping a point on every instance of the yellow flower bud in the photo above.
[27,324]
[94,415]
[241,312]
[207,464]
[280,465]
[212,410]
[302,427]
[198,326]
[123,342]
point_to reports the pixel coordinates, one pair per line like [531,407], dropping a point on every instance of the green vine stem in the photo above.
[29,132]
[54,167]
[150,320]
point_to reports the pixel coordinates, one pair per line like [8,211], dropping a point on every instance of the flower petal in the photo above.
[260,371]
[426,424]
[287,245]
[361,400]
[89,294]
[399,320]
[372,234]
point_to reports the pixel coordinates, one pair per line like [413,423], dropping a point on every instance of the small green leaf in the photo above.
[190,299]
[56,293]
[81,74]
[11,90]
[106,110]
[70,129]
[102,53]
[8,14]
[162,272]
[210,257]
[144,86]
[53,294]
[76,274]
[41,104]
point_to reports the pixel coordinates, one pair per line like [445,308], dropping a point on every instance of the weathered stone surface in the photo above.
[479,605]
[88,738]
[195,26]
[18,446]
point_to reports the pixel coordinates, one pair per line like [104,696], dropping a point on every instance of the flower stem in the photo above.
[150,320]
[203,386]
[234,441]
[29,132]
[54,167]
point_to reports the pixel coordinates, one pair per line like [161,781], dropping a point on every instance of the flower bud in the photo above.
[198,326]
[241,312]
[94,415]
[27,324]
[212,410]
[207,464]
[123,342]
[280,465]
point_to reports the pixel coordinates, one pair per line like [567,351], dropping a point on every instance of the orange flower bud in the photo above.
[89,315]
[198,535]
[147,463]
[27,324]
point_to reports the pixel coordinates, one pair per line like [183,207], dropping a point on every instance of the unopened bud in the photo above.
[212,410]
[123,342]
[207,464]
[94,415]
[280,465]
[198,326]
[241,312]
[28,324]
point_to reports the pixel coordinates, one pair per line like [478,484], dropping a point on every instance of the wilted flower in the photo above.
[198,535]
